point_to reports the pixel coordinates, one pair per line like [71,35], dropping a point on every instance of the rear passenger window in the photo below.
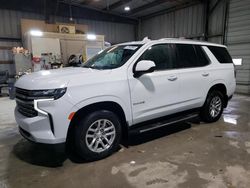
[202,59]
[186,56]
[221,54]
[161,54]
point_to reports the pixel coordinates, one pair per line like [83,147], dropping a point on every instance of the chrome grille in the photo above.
[25,102]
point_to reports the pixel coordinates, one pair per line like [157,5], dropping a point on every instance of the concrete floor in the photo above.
[197,155]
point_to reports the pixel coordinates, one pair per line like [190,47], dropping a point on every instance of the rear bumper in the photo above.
[37,129]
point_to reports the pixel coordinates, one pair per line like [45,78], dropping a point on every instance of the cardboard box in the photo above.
[27,25]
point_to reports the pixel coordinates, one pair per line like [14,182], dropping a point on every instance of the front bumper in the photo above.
[37,129]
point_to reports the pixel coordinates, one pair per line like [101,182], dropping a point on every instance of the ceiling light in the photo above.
[36,33]
[127,8]
[91,36]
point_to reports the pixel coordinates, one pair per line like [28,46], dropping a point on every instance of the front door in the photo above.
[155,94]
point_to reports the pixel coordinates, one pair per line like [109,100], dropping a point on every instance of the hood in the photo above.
[57,78]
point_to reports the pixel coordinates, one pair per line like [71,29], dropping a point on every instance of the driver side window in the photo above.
[161,55]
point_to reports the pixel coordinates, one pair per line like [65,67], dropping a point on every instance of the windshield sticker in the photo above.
[131,47]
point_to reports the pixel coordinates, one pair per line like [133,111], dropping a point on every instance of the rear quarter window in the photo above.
[221,54]
[201,56]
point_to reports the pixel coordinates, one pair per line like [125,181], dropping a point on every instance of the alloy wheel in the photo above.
[100,135]
[215,106]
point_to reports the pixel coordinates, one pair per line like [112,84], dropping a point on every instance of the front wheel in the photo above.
[98,135]
[213,107]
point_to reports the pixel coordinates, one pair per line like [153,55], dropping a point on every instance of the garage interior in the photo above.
[192,154]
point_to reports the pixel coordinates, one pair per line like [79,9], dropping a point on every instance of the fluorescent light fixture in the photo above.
[36,33]
[237,61]
[91,36]
[127,8]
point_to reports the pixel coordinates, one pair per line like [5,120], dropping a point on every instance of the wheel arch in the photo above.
[222,88]
[104,105]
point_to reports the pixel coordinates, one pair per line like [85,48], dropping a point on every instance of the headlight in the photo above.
[49,93]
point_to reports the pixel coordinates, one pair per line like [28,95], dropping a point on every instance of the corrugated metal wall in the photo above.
[10,28]
[187,22]
[114,32]
[10,22]
[6,56]
[238,41]
[216,22]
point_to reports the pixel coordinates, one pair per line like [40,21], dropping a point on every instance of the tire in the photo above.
[98,135]
[213,107]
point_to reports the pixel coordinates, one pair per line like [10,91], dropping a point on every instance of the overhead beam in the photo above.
[96,14]
[206,19]
[226,15]
[214,6]
[10,39]
[172,9]
[86,2]
[147,6]
[48,7]
[117,4]
[62,9]
[6,62]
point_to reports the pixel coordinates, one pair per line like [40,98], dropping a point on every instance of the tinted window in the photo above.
[221,54]
[186,56]
[161,55]
[202,59]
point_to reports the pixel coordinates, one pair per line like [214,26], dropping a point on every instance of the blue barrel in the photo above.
[11,90]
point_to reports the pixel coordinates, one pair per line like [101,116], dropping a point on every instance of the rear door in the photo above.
[194,75]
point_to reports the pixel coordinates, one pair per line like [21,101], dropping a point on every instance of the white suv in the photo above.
[135,86]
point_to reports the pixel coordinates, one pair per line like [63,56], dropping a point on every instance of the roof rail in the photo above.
[168,38]
[146,39]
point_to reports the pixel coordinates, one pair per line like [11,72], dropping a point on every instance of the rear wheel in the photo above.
[98,135]
[213,107]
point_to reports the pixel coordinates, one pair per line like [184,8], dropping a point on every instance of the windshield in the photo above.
[112,57]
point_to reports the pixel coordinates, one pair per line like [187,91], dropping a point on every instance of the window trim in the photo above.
[177,53]
[176,56]
[204,52]
[137,60]
[211,46]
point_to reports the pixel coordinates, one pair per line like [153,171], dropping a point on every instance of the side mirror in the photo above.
[143,67]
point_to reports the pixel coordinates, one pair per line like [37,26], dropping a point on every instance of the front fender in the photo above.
[107,98]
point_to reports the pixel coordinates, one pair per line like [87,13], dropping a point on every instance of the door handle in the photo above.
[205,74]
[172,78]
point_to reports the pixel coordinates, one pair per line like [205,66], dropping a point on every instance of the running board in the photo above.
[166,122]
